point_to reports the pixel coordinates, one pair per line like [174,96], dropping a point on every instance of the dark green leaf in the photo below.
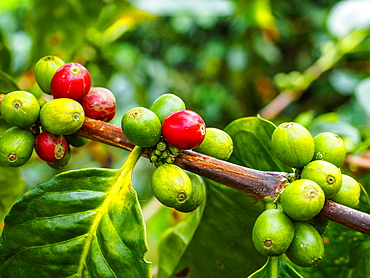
[217,238]
[252,137]
[276,267]
[7,83]
[83,223]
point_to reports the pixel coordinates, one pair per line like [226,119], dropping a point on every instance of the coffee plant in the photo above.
[264,196]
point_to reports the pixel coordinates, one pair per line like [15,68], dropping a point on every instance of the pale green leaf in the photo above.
[82,223]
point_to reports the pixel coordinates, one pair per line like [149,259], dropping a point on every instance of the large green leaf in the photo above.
[7,83]
[216,241]
[82,223]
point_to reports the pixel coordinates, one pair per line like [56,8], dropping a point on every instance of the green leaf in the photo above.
[65,35]
[252,137]
[217,238]
[7,83]
[177,238]
[82,223]
[277,268]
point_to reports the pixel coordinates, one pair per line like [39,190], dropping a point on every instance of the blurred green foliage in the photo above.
[226,59]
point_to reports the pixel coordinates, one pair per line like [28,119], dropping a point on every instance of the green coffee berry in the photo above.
[349,193]
[272,232]
[171,185]
[216,143]
[307,247]
[198,194]
[76,140]
[329,147]
[61,164]
[62,116]
[45,69]
[167,104]
[325,174]
[141,127]
[20,108]
[302,199]
[16,146]
[292,144]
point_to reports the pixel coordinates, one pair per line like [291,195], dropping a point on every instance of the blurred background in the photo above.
[302,60]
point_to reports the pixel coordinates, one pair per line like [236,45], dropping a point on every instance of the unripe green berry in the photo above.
[45,69]
[292,144]
[216,143]
[20,108]
[329,147]
[198,194]
[171,185]
[307,247]
[141,127]
[167,104]
[16,146]
[325,174]
[62,116]
[272,232]
[302,199]
[349,193]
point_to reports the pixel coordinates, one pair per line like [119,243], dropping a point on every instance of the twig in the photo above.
[258,184]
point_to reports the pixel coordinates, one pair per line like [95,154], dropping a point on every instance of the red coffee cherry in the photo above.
[184,129]
[50,147]
[72,81]
[99,104]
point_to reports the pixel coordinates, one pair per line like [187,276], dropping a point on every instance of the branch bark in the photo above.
[258,184]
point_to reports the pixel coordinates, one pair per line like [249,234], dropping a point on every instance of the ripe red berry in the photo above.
[184,129]
[50,147]
[72,81]
[99,104]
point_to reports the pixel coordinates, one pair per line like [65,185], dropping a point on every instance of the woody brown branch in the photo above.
[258,184]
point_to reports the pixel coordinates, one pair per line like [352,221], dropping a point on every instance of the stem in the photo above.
[274,266]
[131,160]
[258,184]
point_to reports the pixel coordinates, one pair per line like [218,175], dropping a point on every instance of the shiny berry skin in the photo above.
[184,129]
[45,69]
[20,108]
[99,104]
[50,147]
[71,80]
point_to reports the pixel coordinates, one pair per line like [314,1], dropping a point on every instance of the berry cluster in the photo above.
[292,225]
[165,130]
[49,127]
